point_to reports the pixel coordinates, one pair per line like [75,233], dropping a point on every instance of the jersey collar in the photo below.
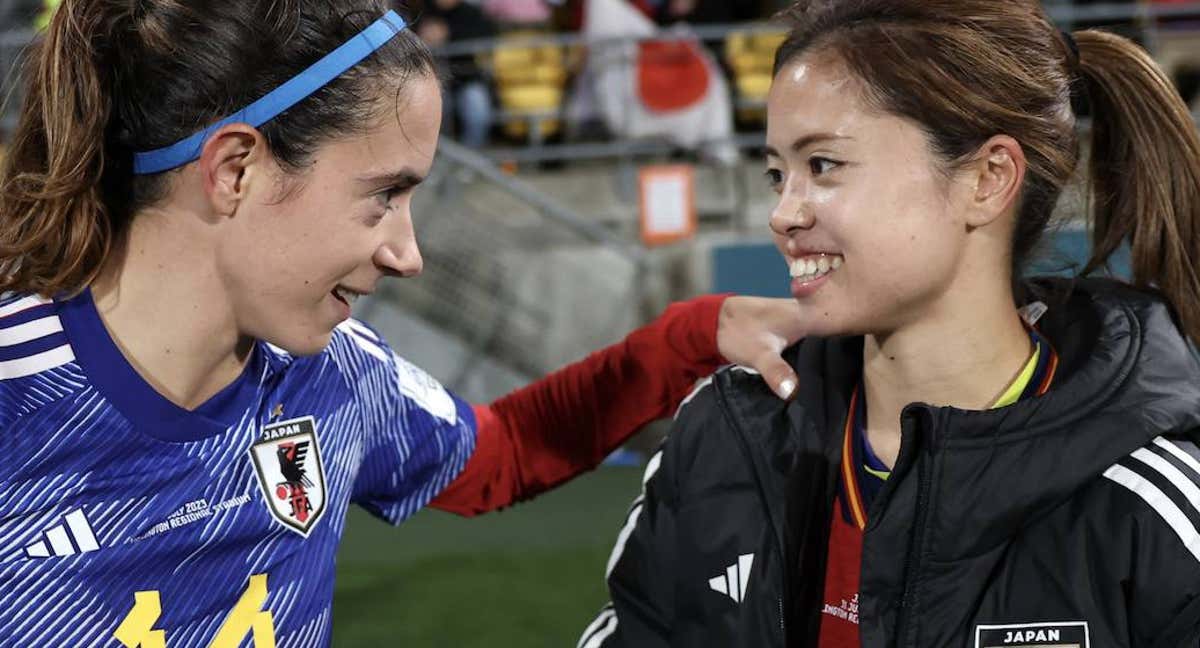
[149,411]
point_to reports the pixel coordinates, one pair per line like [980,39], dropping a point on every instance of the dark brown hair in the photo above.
[111,77]
[966,70]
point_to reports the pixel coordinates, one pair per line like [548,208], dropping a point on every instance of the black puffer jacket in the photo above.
[1067,520]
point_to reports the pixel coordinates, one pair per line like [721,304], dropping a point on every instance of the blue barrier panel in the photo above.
[750,269]
[757,269]
[1068,252]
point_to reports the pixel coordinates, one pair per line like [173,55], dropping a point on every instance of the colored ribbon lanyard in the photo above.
[1043,363]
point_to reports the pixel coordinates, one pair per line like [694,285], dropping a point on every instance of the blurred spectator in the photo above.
[652,8]
[700,12]
[1189,21]
[518,13]
[1124,26]
[447,21]
[568,15]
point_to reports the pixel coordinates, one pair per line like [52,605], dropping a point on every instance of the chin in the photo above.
[833,325]
[300,344]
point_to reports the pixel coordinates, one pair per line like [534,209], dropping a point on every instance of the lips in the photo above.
[346,295]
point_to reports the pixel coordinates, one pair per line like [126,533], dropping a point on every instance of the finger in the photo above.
[779,376]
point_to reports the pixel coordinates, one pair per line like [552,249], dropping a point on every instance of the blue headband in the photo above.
[330,67]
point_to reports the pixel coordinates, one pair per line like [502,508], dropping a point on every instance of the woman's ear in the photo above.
[998,173]
[233,157]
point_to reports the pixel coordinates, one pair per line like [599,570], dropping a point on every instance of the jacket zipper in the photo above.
[912,562]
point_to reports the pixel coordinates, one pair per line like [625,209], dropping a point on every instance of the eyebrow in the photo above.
[808,140]
[402,178]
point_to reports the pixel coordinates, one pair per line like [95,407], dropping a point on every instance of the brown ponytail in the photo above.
[54,227]
[1144,172]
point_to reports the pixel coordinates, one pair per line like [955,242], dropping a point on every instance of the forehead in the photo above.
[404,133]
[813,95]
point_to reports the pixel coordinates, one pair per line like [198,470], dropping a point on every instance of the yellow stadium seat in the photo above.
[736,44]
[744,62]
[531,98]
[754,86]
[768,42]
[750,57]
[530,82]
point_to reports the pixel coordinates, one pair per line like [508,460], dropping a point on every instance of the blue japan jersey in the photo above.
[128,521]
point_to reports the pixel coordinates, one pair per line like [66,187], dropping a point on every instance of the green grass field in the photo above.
[531,576]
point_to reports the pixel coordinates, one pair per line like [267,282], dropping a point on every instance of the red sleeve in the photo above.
[566,423]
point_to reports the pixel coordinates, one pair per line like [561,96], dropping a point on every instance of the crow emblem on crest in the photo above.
[291,458]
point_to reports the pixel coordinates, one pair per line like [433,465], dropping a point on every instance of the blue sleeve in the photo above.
[417,435]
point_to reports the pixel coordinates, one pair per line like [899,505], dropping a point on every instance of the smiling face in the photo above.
[866,220]
[302,245]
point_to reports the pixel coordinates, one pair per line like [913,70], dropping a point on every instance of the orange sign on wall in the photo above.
[668,204]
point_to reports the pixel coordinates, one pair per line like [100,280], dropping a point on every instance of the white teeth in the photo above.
[811,268]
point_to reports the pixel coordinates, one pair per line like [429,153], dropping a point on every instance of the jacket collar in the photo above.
[1127,375]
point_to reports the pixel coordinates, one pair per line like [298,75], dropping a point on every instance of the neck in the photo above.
[161,301]
[964,361]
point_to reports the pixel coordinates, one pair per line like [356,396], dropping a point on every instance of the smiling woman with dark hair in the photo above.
[974,459]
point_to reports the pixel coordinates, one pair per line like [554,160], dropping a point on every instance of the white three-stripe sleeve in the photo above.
[1162,504]
[24,303]
[21,333]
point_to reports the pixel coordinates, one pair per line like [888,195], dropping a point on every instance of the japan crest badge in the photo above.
[287,458]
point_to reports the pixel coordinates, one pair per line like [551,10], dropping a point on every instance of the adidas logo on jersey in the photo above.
[72,537]
[733,582]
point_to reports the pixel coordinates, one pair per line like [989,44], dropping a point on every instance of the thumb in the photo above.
[779,376]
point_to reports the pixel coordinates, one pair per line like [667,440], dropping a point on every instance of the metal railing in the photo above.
[513,273]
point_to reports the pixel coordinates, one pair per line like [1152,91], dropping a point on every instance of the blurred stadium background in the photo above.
[535,255]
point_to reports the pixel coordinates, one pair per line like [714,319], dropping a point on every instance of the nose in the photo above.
[400,255]
[792,214]
[403,262]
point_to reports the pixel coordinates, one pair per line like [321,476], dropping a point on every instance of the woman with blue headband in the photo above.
[196,194]
[978,458]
